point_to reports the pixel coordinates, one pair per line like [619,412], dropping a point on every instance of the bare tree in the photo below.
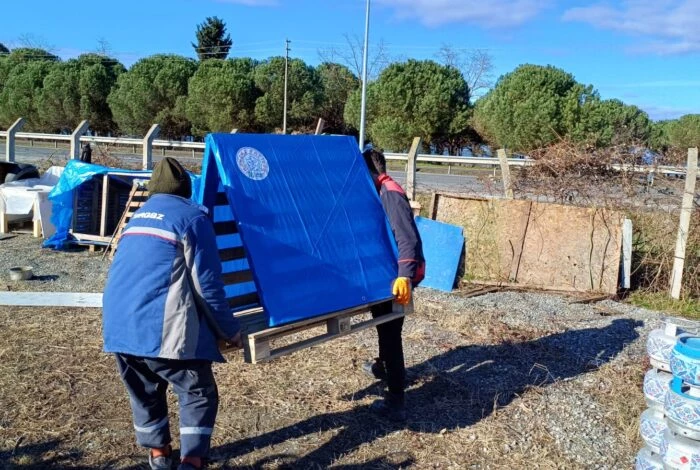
[103,47]
[351,56]
[476,65]
[34,42]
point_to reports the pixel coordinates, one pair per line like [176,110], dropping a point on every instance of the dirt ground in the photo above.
[505,380]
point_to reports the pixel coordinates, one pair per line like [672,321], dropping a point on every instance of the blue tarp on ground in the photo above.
[61,196]
[442,247]
[310,219]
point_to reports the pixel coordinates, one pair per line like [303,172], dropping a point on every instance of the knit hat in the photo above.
[169,177]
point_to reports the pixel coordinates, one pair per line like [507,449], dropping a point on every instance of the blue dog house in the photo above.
[300,228]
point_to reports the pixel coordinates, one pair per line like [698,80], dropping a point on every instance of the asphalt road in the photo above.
[424,181]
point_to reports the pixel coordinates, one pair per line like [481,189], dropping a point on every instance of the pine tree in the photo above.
[212,40]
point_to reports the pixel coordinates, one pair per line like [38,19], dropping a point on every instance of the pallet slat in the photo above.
[231,254]
[237,277]
[243,300]
[221,199]
[228,227]
[258,344]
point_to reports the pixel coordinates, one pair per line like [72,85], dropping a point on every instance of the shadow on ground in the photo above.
[453,390]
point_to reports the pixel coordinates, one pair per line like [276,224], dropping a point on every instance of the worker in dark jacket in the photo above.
[389,366]
[164,309]
[86,153]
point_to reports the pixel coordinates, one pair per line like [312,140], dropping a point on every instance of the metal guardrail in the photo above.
[422,158]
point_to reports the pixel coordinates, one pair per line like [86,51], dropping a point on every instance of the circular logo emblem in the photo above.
[252,163]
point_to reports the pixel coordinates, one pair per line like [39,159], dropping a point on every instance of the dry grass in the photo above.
[478,388]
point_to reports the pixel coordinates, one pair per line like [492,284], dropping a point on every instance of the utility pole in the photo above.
[363,106]
[286,66]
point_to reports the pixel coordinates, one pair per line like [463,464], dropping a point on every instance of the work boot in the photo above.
[375,369]
[162,462]
[392,407]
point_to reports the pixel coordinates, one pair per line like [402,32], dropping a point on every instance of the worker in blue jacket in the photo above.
[164,309]
[389,366]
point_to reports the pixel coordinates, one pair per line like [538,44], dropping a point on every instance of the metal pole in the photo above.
[363,106]
[286,63]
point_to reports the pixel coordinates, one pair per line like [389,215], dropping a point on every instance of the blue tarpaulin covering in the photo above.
[61,196]
[309,217]
[442,248]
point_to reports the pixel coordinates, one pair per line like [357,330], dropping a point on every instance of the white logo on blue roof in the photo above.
[252,163]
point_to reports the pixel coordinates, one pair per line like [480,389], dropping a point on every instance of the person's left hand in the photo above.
[402,290]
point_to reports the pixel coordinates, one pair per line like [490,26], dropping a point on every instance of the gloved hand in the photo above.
[402,290]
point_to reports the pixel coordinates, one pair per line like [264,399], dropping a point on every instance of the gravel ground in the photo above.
[77,270]
[502,380]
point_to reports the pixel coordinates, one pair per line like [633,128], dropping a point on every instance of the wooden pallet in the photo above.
[258,338]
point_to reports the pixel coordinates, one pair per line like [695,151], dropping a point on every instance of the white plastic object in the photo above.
[655,388]
[652,426]
[646,460]
[679,453]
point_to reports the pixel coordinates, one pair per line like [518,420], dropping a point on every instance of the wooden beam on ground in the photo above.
[51,299]
[684,226]
[411,169]
[505,172]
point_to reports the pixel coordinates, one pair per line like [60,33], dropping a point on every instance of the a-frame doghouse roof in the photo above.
[300,227]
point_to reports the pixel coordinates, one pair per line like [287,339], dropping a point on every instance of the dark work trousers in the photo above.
[147,380]
[391,349]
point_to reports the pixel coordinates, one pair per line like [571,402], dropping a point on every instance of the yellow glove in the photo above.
[402,290]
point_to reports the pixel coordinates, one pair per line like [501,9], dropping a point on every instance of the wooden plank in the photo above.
[91,238]
[230,254]
[225,228]
[261,351]
[242,300]
[51,299]
[105,201]
[275,331]
[237,277]
[684,225]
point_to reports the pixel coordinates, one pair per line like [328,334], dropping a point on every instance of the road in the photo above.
[424,181]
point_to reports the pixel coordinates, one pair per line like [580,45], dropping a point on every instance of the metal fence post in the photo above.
[148,146]
[10,143]
[75,139]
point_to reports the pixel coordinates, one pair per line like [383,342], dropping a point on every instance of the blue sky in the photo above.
[644,52]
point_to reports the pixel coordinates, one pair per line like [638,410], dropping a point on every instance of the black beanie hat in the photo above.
[169,177]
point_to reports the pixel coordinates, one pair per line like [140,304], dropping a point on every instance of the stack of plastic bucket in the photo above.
[670,426]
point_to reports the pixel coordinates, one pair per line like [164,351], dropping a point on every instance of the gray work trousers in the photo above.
[147,380]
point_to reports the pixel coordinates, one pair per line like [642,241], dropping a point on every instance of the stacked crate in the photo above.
[670,426]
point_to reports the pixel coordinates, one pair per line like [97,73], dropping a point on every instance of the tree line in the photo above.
[531,107]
